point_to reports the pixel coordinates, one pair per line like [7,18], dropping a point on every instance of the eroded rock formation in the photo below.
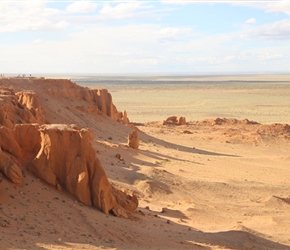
[61,155]
[174,120]
[67,158]
[29,100]
[17,146]
[19,108]
[123,117]
[95,101]
[10,167]
[133,139]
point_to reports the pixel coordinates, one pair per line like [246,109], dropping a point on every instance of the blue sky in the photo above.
[144,36]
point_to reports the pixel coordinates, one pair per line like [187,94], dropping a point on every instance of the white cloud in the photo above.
[274,31]
[124,10]
[137,48]
[180,2]
[37,41]
[106,47]
[218,59]
[29,16]
[279,6]
[282,6]
[141,61]
[175,32]
[270,56]
[170,34]
[251,21]
[131,48]
[83,6]
[120,10]
[33,24]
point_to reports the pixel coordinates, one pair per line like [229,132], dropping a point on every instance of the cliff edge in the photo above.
[33,137]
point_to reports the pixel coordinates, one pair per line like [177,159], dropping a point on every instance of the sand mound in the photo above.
[275,201]
[241,131]
[148,188]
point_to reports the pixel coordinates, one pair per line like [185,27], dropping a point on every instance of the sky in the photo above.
[162,36]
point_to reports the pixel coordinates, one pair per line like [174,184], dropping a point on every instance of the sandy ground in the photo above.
[261,101]
[203,185]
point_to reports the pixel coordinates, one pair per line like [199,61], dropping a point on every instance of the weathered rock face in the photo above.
[95,101]
[99,100]
[62,155]
[181,120]
[19,108]
[29,100]
[66,157]
[10,167]
[17,146]
[123,117]
[174,120]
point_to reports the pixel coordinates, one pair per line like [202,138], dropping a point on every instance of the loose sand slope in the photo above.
[214,184]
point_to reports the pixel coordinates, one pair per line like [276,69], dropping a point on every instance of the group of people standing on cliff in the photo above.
[20,75]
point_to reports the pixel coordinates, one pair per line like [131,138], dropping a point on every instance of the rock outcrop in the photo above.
[231,121]
[19,108]
[76,168]
[133,139]
[123,118]
[30,101]
[95,101]
[98,101]
[10,167]
[62,155]
[174,120]
[17,147]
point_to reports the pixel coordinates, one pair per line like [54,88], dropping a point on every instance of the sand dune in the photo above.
[223,184]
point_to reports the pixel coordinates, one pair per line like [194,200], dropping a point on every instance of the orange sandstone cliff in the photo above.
[59,154]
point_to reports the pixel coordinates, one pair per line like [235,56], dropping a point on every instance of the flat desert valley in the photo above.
[220,180]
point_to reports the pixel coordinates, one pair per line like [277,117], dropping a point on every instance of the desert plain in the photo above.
[218,181]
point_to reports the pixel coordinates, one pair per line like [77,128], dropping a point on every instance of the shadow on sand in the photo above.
[150,139]
[151,231]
